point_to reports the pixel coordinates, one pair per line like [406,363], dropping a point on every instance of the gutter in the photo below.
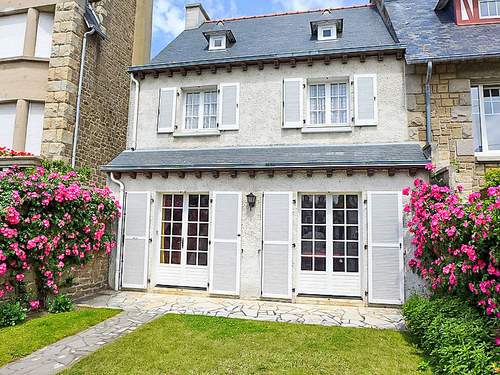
[119,240]
[79,98]
[136,111]
[428,128]
[454,58]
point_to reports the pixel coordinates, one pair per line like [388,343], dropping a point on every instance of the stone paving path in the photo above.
[140,308]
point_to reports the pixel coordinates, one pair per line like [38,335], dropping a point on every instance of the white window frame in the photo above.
[213,39]
[332,28]
[482,115]
[328,103]
[201,109]
[481,16]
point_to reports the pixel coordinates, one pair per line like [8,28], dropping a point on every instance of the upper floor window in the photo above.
[200,110]
[328,103]
[12,31]
[219,39]
[327,29]
[327,32]
[486,118]
[489,8]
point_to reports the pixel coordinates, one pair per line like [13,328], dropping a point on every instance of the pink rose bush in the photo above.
[50,223]
[457,242]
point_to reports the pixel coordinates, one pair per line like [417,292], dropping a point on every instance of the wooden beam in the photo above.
[229,68]
[164,174]
[309,173]
[244,67]
[329,172]
[184,72]
[349,172]
[362,58]
[117,175]
[182,174]
[290,173]
[251,174]
[156,73]
[370,172]
[276,64]
[391,172]
[261,65]
[270,173]
[345,59]
[215,174]
[133,175]
[198,70]
[234,174]
[148,175]
[198,174]
[380,56]
[170,73]
[413,172]
[293,63]
[213,69]
[399,55]
[309,61]
[327,60]
[140,75]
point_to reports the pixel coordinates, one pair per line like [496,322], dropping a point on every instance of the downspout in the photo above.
[136,111]
[79,97]
[428,129]
[119,239]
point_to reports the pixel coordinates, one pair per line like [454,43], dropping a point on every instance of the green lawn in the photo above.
[34,334]
[184,344]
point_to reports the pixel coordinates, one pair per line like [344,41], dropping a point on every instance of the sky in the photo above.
[168,15]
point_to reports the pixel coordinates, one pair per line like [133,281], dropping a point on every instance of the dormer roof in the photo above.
[227,33]
[339,23]
[286,35]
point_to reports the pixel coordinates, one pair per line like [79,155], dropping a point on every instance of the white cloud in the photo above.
[312,4]
[168,17]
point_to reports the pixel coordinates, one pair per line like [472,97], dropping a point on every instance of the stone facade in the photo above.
[104,105]
[451,111]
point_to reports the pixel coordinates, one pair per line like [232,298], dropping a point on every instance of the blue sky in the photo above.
[168,15]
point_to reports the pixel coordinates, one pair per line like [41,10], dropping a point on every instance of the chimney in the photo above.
[195,16]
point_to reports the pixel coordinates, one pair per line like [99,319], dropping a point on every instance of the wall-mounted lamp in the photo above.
[251,199]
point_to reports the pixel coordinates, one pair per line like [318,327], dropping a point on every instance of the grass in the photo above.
[19,341]
[184,344]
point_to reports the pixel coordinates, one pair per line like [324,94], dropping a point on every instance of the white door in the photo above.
[277,245]
[184,240]
[330,246]
[385,254]
[135,245]
[226,244]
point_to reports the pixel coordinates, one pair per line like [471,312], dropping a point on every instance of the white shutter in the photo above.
[44,34]
[365,99]
[35,128]
[12,30]
[385,253]
[293,99]
[226,243]
[7,124]
[277,245]
[135,245]
[166,110]
[229,111]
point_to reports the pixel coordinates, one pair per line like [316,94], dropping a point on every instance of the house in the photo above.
[51,111]
[453,82]
[266,159]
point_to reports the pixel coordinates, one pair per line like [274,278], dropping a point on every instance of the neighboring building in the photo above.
[456,43]
[266,158]
[41,43]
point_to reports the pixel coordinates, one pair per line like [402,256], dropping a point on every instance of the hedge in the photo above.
[456,338]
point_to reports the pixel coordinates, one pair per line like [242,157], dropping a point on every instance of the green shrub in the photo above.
[492,177]
[60,304]
[455,337]
[11,313]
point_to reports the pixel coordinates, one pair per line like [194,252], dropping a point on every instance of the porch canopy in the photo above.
[396,155]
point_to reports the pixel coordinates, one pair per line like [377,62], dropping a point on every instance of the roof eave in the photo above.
[453,58]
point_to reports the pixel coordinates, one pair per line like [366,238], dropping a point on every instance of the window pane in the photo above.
[192,229]
[203,244]
[338,201]
[307,248]
[352,265]
[338,233]
[204,216]
[320,264]
[192,244]
[204,230]
[307,201]
[320,232]
[202,259]
[320,248]
[193,215]
[176,243]
[178,215]
[338,265]
[191,258]
[307,232]
[320,201]
[352,201]
[306,264]
[352,217]
[352,249]
[307,217]
[338,249]
[204,200]
[338,217]
[352,233]
[320,217]
[176,257]
[167,200]
[177,229]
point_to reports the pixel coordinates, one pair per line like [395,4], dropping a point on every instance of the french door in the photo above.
[184,240]
[330,245]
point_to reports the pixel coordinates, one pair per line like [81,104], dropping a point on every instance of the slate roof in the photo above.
[266,157]
[279,36]
[434,35]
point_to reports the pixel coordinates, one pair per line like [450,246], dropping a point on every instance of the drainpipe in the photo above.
[79,98]
[136,111]
[428,129]
[120,232]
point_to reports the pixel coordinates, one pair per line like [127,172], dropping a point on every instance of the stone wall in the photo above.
[104,108]
[451,110]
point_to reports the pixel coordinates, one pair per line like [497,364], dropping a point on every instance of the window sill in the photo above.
[199,133]
[326,129]
[24,58]
[487,156]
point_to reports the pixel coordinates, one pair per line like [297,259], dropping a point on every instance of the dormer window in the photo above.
[329,29]
[219,40]
[327,32]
